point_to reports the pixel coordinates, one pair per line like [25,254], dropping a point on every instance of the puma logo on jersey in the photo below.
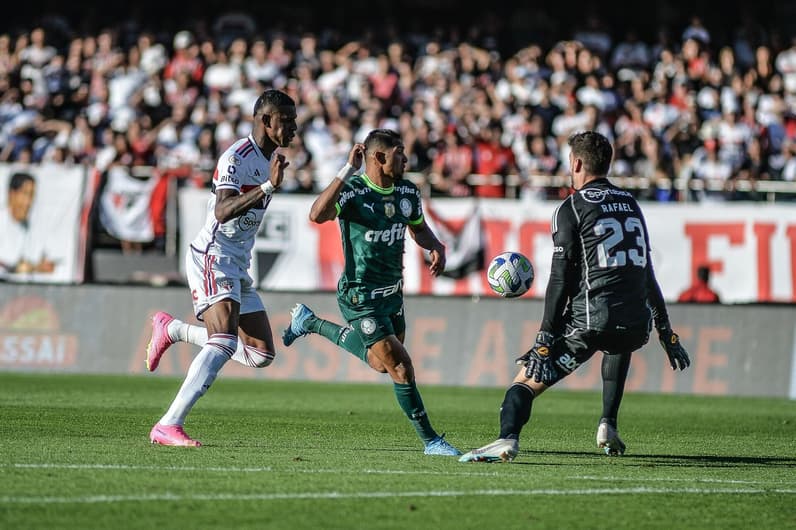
[369,207]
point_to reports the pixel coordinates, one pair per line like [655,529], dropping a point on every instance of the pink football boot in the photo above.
[172,435]
[160,340]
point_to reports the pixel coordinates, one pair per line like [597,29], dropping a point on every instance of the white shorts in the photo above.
[215,278]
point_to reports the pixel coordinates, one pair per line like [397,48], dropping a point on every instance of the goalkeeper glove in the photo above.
[670,341]
[537,362]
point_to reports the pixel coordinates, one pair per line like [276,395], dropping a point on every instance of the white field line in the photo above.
[125,467]
[320,471]
[663,479]
[336,495]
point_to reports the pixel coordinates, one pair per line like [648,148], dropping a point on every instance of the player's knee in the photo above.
[258,358]
[403,372]
[376,364]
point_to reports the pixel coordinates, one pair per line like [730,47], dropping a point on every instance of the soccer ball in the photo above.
[510,274]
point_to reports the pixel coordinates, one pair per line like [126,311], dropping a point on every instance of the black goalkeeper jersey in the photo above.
[601,276]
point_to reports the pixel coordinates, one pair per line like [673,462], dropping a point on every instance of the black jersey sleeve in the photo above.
[655,298]
[564,267]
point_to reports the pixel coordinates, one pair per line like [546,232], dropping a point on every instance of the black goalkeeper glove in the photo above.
[670,341]
[537,362]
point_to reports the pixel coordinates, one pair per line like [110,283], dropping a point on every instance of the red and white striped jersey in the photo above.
[241,167]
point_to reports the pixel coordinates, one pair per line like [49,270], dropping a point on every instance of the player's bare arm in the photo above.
[231,204]
[425,237]
[323,208]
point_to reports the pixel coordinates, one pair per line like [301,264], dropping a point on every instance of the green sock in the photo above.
[412,404]
[343,336]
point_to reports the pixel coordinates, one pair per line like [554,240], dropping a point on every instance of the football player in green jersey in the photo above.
[374,209]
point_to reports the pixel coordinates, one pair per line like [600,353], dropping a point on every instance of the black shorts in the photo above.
[577,345]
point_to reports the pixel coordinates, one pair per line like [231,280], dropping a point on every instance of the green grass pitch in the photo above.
[74,453]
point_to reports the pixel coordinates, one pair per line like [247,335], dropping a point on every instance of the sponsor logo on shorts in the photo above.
[384,292]
[368,326]
[567,362]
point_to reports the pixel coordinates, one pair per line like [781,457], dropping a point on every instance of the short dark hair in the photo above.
[382,138]
[272,98]
[18,179]
[594,149]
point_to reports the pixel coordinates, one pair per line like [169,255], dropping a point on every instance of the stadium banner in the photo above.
[738,350]
[125,205]
[750,247]
[55,227]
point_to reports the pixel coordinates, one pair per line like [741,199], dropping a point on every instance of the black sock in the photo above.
[515,410]
[614,371]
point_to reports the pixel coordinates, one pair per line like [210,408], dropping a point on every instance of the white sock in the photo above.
[245,355]
[200,376]
[184,332]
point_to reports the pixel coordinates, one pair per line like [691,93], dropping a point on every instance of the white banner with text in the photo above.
[750,247]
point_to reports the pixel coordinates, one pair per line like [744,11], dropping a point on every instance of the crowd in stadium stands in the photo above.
[679,107]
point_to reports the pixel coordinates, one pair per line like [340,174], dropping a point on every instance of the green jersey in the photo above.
[373,226]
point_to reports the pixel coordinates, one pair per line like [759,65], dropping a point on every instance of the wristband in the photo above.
[267,187]
[346,172]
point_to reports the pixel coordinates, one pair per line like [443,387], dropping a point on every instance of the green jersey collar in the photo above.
[377,189]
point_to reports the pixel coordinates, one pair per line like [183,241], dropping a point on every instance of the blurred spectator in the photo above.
[494,160]
[676,103]
[785,63]
[595,35]
[696,30]
[185,59]
[451,166]
[754,167]
[630,53]
[700,291]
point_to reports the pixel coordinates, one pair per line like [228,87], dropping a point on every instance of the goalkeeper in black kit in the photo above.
[602,295]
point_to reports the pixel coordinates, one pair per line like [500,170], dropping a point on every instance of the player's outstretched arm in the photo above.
[678,357]
[324,208]
[425,238]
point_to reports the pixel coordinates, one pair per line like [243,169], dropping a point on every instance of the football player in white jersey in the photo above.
[217,263]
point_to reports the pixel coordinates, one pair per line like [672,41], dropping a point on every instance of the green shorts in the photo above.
[372,320]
